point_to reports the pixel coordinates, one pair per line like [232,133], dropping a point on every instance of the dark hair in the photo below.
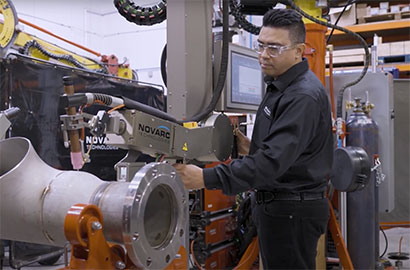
[287,19]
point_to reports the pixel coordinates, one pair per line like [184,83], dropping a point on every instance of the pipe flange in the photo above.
[154,216]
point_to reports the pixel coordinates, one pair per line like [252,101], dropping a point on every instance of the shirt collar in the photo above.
[284,80]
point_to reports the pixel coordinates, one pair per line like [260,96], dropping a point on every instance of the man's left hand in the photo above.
[191,175]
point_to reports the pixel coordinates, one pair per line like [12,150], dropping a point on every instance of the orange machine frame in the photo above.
[83,228]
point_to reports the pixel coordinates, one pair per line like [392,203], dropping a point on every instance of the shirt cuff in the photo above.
[211,179]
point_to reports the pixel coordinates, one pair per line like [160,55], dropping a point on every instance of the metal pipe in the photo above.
[343,215]
[331,88]
[34,200]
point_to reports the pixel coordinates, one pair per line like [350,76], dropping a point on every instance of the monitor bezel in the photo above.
[228,104]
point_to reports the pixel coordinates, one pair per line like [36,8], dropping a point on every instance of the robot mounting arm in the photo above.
[150,131]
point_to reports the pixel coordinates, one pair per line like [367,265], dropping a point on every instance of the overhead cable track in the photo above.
[142,15]
[33,44]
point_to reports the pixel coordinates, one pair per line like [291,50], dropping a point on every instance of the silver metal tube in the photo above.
[63,191]
[112,207]
[374,59]
[343,215]
[35,198]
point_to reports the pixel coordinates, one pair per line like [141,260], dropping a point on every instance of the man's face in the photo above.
[276,66]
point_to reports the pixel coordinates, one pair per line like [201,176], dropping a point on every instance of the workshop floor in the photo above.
[393,235]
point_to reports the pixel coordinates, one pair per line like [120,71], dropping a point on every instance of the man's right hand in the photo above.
[243,142]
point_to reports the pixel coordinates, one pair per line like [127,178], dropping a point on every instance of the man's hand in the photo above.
[191,175]
[243,142]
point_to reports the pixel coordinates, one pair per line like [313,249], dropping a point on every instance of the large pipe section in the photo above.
[147,215]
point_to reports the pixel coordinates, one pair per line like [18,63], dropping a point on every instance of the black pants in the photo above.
[288,232]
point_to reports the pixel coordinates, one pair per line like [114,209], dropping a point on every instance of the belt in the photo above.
[268,196]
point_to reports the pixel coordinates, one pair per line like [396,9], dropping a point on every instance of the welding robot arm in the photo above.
[135,126]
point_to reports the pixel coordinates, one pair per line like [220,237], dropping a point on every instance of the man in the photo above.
[290,153]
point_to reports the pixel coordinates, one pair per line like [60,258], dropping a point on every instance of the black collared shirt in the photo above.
[292,143]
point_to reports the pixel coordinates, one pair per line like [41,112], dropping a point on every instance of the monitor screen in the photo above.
[244,87]
[246,82]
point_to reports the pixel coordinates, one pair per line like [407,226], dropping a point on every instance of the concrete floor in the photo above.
[393,236]
[35,266]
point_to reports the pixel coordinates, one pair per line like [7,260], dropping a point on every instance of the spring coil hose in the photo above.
[66,57]
[142,15]
[106,99]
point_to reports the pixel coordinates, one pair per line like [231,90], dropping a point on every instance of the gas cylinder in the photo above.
[362,205]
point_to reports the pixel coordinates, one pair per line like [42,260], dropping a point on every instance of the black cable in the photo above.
[132,104]
[190,261]
[224,65]
[387,243]
[241,20]
[234,152]
[355,35]
[142,15]
[79,99]
[34,44]
[334,4]
[194,205]
[350,2]
[164,65]
[66,57]
[245,230]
